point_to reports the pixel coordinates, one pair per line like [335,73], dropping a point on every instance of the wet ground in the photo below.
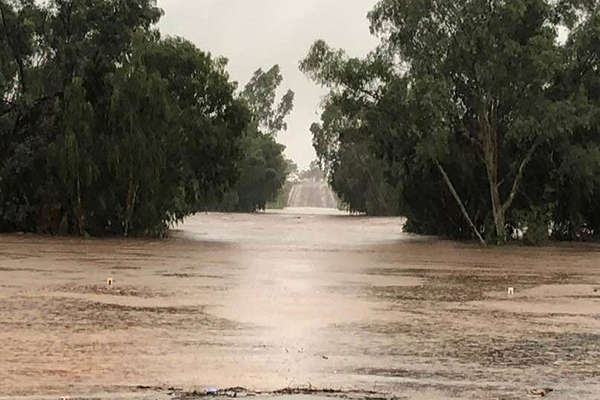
[290,299]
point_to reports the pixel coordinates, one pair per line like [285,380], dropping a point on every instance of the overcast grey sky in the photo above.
[256,34]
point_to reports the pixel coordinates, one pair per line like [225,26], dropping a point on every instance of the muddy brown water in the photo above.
[296,298]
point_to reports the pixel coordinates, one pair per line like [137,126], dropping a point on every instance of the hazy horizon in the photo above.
[255,34]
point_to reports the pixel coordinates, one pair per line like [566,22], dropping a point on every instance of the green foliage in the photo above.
[105,128]
[354,173]
[260,94]
[262,173]
[344,140]
[283,195]
[476,112]
[313,173]
[534,225]
[291,167]
[263,168]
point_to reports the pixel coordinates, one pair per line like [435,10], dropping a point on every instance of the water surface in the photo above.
[294,298]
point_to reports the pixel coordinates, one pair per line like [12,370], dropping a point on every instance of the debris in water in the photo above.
[109,282]
[542,392]
[214,392]
[511,291]
[238,391]
[325,358]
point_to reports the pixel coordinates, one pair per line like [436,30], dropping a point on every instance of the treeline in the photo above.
[474,119]
[106,128]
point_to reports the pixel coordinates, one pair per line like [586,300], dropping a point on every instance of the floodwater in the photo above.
[296,298]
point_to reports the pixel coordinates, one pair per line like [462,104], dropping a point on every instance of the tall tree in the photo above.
[495,60]
[260,93]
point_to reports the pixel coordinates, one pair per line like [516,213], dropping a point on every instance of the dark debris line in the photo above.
[234,392]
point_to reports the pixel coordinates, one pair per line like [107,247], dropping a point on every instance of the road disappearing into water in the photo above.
[312,195]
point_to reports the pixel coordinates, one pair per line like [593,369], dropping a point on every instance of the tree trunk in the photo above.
[488,140]
[79,213]
[497,209]
[490,156]
[499,217]
[130,204]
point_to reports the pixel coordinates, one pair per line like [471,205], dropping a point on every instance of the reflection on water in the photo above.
[287,298]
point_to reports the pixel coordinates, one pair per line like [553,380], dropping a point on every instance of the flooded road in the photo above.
[312,194]
[294,298]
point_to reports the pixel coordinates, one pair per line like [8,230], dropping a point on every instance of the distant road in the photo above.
[312,194]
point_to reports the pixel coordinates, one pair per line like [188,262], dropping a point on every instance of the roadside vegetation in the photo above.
[262,169]
[474,119]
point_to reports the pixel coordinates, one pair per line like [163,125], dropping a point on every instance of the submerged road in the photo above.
[313,195]
[290,298]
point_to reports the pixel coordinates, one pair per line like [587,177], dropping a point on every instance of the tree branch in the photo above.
[459,201]
[369,93]
[519,177]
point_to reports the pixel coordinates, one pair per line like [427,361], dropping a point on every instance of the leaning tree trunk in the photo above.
[459,202]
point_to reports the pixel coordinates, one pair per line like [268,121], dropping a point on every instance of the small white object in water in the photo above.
[65,398]
[511,291]
[109,282]
[211,391]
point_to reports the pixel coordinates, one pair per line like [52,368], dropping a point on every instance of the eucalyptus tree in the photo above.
[469,88]
[260,94]
[489,64]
